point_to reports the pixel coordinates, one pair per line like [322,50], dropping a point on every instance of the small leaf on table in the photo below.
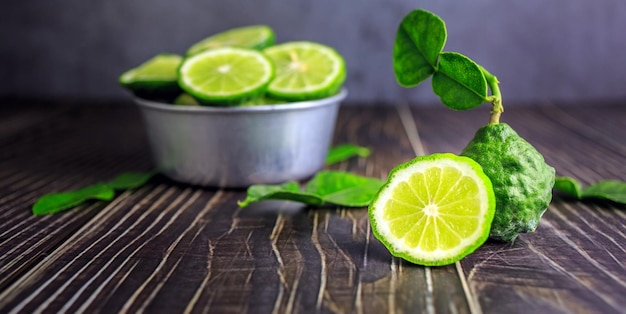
[345,151]
[459,82]
[569,186]
[288,191]
[612,190]
[56,202]
[131,180]
[332,187]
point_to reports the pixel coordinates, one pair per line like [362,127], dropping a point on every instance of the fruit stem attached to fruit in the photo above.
[495,98]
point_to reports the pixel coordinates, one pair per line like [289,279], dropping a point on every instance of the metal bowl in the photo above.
[240,146]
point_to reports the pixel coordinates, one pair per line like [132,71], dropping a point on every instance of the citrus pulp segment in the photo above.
[155,78]
[434,210]
[250,37]
[226,75]
[305,70]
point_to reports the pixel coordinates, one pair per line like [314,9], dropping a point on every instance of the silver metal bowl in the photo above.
[240,146]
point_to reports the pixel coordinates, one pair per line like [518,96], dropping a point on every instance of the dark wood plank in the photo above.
[574,262]
[169,247]
[73,148]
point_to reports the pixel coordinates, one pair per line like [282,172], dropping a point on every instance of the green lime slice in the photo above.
[434,210]
[250,37]
[226,76]
[305,70]
[157,78]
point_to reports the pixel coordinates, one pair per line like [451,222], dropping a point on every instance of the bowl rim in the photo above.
[278,107]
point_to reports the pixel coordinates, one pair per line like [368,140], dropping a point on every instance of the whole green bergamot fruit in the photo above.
[522,181]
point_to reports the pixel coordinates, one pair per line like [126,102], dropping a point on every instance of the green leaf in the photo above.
[131,180]
[343,188]
[568,185]
[288,191]
[346,151]
[56,202]
[419,41]
[611,190]
[459,82]
[334,187]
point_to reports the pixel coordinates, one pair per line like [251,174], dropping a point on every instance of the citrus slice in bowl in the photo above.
[250,37]
[226,76]
[305,70]
[434,210]
[155,78]
[185,99]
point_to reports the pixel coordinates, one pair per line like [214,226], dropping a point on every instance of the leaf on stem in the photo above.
[419,41]
[459,82]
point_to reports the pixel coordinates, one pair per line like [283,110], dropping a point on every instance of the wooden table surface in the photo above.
[170,248]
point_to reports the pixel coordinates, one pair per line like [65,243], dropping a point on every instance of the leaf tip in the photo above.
[243,204]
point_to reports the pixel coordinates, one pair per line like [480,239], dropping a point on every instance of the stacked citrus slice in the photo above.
[226,75]
[305,70]
[241,67]
[156,78]
[248,37]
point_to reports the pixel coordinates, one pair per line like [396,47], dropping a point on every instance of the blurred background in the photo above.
[559,50]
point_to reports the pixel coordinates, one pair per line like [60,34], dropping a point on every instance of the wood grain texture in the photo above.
[173,248]
[68,149]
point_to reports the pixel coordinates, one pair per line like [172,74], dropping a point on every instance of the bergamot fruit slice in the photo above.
[434,210]
[226,76]
[305,71]
[155,79]
[249,37]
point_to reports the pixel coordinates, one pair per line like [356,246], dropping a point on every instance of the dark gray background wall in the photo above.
[540,50]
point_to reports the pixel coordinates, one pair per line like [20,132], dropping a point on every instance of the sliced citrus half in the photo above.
[226,76]
[250,37]
[305,70]
[155,78]
[434,210]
